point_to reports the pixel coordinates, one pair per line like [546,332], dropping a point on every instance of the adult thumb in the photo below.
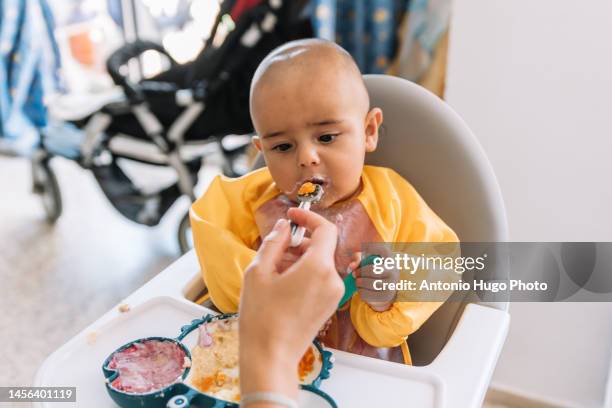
[273,246]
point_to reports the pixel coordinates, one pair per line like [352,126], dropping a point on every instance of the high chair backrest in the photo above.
[427,143]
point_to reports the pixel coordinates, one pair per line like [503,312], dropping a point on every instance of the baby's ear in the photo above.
[373,121]
[256,142]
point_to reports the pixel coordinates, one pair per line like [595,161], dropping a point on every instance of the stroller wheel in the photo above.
[36,162]
[45,184]
[185,237]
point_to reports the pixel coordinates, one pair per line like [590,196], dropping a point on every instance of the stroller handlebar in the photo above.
[122,56]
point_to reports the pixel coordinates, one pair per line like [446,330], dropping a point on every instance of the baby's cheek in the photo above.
[284,187]
[284,178]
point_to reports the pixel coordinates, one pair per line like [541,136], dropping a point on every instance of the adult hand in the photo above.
[281,313]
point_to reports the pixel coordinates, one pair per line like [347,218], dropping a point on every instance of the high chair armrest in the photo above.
[467,361]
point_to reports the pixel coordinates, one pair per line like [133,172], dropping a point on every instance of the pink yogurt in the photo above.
[147,366]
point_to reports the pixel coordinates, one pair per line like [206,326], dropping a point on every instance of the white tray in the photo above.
[79,362]
[358,381]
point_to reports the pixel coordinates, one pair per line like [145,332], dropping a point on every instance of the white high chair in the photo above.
[427,143]
[454,352]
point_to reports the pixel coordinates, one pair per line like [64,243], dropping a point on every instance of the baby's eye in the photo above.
[283,147]
[328,138]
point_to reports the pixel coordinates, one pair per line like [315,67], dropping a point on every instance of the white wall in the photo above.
[533,79]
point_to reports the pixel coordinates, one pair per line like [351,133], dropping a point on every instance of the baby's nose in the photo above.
[308,157]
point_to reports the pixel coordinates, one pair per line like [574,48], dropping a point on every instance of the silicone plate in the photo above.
[180,394]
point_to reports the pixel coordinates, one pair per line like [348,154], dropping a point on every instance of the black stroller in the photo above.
[200,102]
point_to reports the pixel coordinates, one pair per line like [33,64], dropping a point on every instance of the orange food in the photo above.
[214,364]
[220,378]
[204,384]
[307,188]
[306,364]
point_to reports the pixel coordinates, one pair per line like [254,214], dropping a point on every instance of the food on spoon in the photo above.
[307,188]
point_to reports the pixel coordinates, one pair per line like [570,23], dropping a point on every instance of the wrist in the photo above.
[267,369]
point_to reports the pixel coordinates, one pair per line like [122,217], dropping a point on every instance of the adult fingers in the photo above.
[300,249]
[273,247]
[319,256]
[323,234]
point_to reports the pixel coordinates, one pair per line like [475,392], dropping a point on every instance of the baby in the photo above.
[313,119]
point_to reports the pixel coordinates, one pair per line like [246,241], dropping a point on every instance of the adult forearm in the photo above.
[263,370]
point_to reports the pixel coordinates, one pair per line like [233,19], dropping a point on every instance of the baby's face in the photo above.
[315,130]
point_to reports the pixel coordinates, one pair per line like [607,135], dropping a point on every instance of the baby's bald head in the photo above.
[310,109]
[299,63]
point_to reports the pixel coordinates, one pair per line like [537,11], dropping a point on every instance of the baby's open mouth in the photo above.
[317,180]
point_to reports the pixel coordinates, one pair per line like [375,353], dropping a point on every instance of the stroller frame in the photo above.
[170,111]
[45,181]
